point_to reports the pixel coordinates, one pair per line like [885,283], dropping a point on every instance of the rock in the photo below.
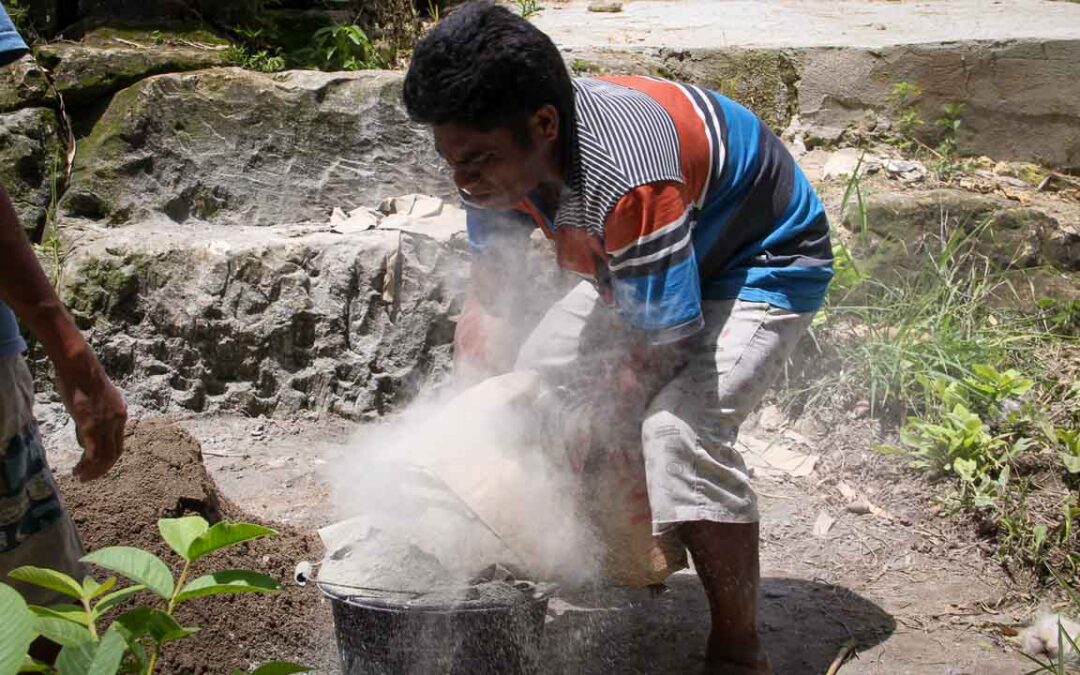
[1020,95]
[841,164]
[24,83]
[906,170]
[903,224]
[420,206]
[264,320]
[611,7]
[31,161]
[763,80]
[235,147]
[108,60]
[445,226]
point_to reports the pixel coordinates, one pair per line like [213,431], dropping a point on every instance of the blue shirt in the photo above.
[675,195]
[10,41]
[11,341]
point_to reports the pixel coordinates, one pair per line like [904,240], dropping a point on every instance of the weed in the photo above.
[581,66]
[19,12]
[261,60]
[906,119]
[132,642]
[528,8]
[345,47]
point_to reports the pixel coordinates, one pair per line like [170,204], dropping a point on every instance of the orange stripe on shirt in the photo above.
[642,211]
[695,157]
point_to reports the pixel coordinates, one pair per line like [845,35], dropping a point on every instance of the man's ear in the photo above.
[545,123]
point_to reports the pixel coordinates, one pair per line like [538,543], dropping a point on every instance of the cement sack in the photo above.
[524,464]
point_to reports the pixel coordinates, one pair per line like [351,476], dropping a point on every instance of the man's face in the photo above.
[496,169]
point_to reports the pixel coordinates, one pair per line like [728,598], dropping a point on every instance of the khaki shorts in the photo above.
[34,528]
[688,431]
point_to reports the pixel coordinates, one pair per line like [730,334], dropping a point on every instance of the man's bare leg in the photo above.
[726,558]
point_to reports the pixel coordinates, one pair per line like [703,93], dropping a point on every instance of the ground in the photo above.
[917,593]
[690,24]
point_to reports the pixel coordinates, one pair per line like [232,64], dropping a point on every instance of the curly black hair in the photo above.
[485,67]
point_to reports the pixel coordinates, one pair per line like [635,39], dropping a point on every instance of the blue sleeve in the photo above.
[654,272]
[489,227]
[11,43]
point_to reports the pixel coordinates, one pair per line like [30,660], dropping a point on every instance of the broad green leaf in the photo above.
[16,629]
[92,589]
[277,668]
[228,581]
[76,659]
[72,613]
[1071,462]
[137,565]
[114,598]
[153,622]
[225,534]
[50,579]
[31,666]
[61,631]
[178,533]
[965,468]
[109,654]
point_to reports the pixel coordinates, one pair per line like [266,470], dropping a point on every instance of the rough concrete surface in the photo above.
[717,24]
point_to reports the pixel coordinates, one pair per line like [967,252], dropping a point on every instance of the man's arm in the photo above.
[94,403]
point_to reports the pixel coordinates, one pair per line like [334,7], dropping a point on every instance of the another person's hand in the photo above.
[98,409]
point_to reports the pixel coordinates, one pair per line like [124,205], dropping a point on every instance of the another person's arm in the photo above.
[94,403]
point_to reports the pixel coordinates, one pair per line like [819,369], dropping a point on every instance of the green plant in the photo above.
[528,8]
[906,119]
[261,60]
[132,642]
[949,122]
[346,47]
[19,11]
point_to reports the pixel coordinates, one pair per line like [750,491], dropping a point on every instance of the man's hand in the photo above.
[643,371]
[98,410]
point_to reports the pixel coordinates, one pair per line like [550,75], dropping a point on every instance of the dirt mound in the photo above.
[161,475]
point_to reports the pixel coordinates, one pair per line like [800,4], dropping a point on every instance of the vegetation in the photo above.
[908,129]
[131,642]
[528,8]
[977,380]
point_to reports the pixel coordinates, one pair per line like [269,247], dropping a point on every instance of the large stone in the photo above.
[1020,96]
[762,80]
[107,60]
[266,320]
[236,147]
[31,163]
[24,83]
[902,224]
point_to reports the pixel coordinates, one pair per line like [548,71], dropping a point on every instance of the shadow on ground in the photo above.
[804,624]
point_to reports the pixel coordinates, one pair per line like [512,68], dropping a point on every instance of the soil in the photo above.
[161,475]
[918,592]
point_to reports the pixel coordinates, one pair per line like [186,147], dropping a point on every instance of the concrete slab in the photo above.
[703,24]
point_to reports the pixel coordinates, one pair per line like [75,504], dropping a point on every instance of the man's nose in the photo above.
[465,178]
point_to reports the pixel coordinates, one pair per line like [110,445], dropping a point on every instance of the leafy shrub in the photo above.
[132,641]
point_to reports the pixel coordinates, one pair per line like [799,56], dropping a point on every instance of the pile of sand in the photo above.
[161,475]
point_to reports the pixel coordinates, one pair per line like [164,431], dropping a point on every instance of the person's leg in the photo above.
[34,528]
[698,484]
